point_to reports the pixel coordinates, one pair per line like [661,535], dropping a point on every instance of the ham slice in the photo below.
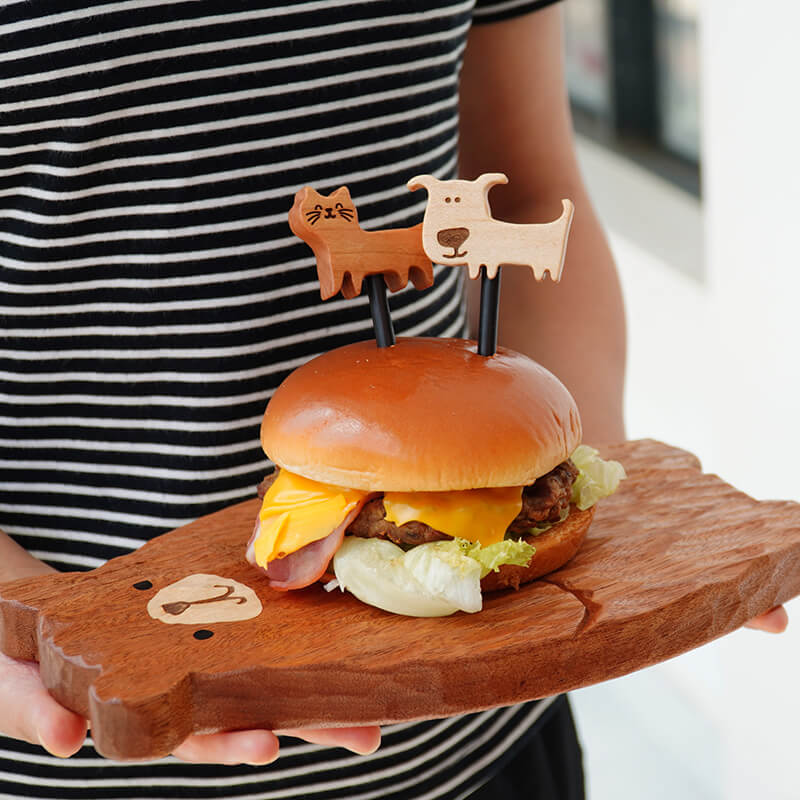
[309,563]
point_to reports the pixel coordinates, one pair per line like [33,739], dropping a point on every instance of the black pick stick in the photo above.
[379,310]
[490,307]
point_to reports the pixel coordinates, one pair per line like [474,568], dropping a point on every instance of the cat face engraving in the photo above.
[346,254]
[326,212]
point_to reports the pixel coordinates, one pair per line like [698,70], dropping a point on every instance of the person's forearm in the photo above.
[515,119]
[16,562]
[575,328]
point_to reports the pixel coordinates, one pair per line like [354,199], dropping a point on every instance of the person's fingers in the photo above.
[773,621]
[235,747]
[31,714]
[362,740]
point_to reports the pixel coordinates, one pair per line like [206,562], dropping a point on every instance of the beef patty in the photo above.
[545,500]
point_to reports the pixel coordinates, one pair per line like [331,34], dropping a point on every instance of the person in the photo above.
[153,297]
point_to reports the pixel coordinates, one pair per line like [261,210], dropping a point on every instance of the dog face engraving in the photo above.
[453,237]
[458,211]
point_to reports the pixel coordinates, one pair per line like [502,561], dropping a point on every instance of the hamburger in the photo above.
[420,475]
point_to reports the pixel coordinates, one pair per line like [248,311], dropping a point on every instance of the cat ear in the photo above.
[303,194]
[341,193]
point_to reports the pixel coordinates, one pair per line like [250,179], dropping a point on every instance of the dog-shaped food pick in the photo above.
[458,229]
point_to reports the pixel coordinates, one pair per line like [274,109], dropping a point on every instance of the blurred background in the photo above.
[690,141]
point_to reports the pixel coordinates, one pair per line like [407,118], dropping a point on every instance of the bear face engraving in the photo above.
[203,599]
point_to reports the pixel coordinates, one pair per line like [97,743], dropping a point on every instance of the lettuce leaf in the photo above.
[597,478]
[492,556]
[429,580]
[465,558]
[426,581]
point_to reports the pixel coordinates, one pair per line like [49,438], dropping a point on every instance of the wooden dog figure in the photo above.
[458,229]
[346,253]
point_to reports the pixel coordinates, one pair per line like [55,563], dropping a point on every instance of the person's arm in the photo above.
[28,712]
[17,562]
[515,119]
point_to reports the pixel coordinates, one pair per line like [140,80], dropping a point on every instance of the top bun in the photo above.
[422,415]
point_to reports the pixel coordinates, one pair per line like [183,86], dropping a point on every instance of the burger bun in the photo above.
[423,415]
[554,548]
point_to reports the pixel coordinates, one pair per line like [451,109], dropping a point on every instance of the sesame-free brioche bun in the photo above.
[553,548]
[423,415]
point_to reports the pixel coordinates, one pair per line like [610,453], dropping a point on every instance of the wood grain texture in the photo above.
[675,559]
[346,253]
[458,229]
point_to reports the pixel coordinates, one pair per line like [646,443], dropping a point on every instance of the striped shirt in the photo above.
[152,297]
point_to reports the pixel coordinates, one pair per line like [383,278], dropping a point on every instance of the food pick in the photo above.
[458,230]
[379,311]
[347,255]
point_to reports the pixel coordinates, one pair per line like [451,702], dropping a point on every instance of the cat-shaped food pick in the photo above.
[346,254]
[458,229]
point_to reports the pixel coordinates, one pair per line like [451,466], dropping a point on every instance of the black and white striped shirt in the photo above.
[152,297]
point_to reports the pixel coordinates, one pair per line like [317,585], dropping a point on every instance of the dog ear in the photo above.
[489,179]
[421,182]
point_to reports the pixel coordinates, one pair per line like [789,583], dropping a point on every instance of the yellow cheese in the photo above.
[297,511]
[479,515]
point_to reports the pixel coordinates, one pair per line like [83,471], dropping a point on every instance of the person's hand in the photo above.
[261,746]
[31,714]
[773,621]
[27,711]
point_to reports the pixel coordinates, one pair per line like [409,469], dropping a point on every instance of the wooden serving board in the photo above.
[674,559]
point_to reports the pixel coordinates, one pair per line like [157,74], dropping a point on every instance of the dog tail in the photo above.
[553,250]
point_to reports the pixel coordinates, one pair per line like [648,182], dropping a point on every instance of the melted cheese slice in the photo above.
[478,515]
[297,511]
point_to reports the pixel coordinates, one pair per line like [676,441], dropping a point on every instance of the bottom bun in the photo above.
[554,548]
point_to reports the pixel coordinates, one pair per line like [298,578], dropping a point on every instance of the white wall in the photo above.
[751,141]
[751,151]
[714,367]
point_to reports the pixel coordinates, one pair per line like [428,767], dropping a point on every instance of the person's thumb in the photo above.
[30,713]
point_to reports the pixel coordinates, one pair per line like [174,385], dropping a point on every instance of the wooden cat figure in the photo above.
[346,253]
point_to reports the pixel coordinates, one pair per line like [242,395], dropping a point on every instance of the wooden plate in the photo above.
[673,560]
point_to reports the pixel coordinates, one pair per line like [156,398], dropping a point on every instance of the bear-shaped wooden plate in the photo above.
[183,635]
